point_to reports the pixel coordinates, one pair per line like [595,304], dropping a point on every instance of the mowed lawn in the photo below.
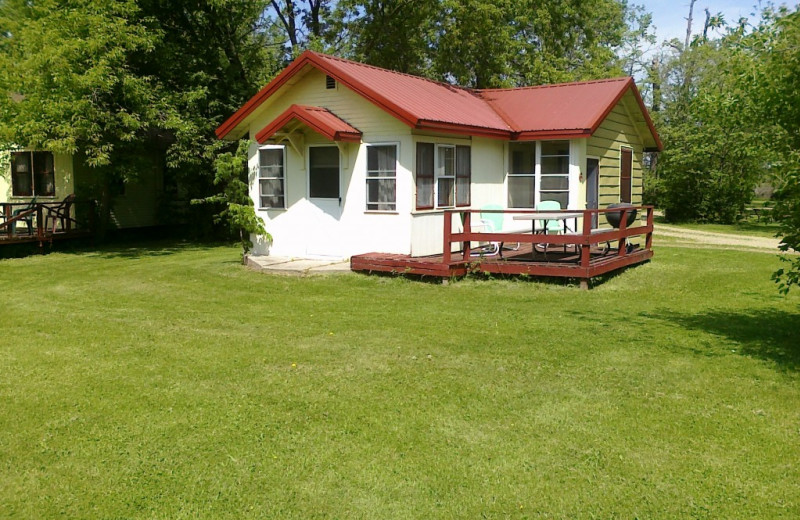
[169,381]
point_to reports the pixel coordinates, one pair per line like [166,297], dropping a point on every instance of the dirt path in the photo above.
[693,238]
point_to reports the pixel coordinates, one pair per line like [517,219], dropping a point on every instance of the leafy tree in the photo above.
[483,43]
[238,210]
[777,45]
[716,147]
[129,84]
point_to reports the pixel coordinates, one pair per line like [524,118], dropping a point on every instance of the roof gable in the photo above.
[550,111]
[321,120]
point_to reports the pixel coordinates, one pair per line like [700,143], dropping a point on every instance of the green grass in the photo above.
[750,227]
[173,383]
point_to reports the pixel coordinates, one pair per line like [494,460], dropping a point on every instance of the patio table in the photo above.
[547,217]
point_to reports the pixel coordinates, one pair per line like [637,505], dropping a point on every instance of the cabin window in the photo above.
[272,177]
[522,175]
[625,177]
[32,174]
[443,175]
[425,169]
[554,183]
[446,176]
[323,172]
[463,175]
[382,177]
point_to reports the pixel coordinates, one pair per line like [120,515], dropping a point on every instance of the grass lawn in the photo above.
[171,382]
[750,227]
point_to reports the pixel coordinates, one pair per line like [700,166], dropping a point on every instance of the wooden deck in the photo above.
[582,256]
[44,222]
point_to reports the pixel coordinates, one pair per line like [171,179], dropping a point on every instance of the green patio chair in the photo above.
[551,227]
[495,223]
[28,219]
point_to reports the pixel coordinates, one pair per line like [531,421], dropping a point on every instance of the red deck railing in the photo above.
[43,221]
[582,241]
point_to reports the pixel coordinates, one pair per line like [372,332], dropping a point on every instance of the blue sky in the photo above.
[669,16]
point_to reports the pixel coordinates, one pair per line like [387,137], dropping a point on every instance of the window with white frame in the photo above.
[554,183]
[382,177]
[522,175]
[444,175]
[323,172]
[32,174]
[272,177]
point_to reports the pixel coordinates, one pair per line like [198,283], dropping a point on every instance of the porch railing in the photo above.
[582,241]
[41,220]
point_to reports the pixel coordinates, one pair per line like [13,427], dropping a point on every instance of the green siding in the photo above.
[617,130]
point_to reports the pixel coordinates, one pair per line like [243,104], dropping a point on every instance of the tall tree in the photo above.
[127,83]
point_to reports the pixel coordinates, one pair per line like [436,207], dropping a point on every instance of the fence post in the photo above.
[7,212]
[649,237]
[448,230]
[586,247]
[467,229]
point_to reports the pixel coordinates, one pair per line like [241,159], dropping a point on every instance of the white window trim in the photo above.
[536,174]
[539,157]
[283,179]
[537,195]
[308,171]
[437,174]
[367,178]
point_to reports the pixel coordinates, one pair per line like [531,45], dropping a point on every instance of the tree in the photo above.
[126,84]
[483,43]
[238,211]
[716,146]
[777,45]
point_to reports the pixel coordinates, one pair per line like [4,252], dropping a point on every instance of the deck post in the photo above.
[623,227]
[39,222]
[7,213]
[586,247]
[448,230]
[467,220]
[649,237]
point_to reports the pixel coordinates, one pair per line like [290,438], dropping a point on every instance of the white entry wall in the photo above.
[313,227]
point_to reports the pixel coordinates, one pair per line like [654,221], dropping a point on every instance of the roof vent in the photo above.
[330,83]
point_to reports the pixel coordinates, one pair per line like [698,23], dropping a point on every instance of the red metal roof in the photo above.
[552,111]
[566,109]
[319,119]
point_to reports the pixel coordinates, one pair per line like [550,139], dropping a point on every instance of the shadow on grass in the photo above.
[135,245]
[766,334]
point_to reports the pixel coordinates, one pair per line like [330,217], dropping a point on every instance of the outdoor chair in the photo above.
[60,214]
[490,223]
[551,227]
[28,213]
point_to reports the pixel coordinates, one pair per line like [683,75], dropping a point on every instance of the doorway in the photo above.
[593,186]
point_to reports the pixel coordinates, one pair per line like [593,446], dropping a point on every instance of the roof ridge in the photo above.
[556,85]
[467,90]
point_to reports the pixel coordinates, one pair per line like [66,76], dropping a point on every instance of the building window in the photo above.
[323,172]
[449,181]
[425,175]
[554,183]
[32,174]
[625,177]
[522,175]
[463,175]
[445,176]
[272,177]
[382,177]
